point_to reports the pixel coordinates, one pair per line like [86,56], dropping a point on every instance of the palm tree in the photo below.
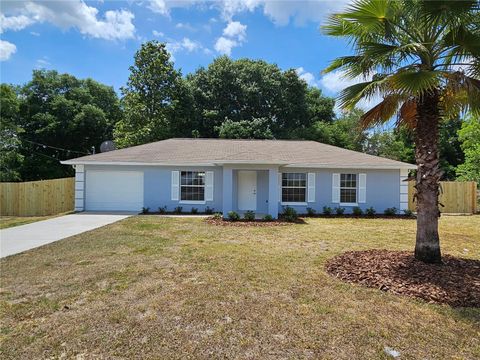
[423,59]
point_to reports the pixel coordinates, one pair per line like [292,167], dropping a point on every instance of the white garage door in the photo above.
[114,190]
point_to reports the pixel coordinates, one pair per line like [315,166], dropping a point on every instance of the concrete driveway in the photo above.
[17,239]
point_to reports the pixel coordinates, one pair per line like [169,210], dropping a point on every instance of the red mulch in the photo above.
[242,222]
[455,282]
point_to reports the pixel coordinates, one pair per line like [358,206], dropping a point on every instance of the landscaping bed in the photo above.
[455,282]
[257,222]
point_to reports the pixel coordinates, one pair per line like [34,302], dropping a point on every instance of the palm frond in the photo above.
[351,95]
[381,112]
[415,83]
[407,115]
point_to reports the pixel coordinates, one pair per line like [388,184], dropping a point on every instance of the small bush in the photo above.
[217,216]
[390,211]
[178,210]
[145,210]
[289,214]
[327,210]
[209,210]
[311,211]
[408,212]
[233,216]
[268,217]
[339,210]
[249,215]
[162,210]
[194,210]
[370,211]
[357,211]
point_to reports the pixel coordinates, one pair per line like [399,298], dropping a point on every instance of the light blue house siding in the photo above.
[382,187]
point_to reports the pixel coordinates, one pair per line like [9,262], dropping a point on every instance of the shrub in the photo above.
[233,216]
[178,210]
[194,210]
[145,210]
[289,214]
[311,211]
[217,216]
[327,210]
[268,217]
[357,211]
[162,210]
[408,212]
[370,211]
[209,210]
[390,211]
[249,215]
[339,210]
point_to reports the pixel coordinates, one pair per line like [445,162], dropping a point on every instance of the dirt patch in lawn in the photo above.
[455,282]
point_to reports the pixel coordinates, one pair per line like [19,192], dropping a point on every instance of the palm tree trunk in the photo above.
[427,247]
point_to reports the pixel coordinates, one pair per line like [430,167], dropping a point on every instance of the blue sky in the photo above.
[98,39]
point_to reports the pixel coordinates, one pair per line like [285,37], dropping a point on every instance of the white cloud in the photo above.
[185,44]
[115,24]
[235,29]
[185,26]
[159,7]
[308,77]
[7,49]
[34,33]
[336,81]
[225,46]
[234,34]
[158,33]
[42,63]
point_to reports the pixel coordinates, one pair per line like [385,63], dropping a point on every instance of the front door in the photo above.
[247,190]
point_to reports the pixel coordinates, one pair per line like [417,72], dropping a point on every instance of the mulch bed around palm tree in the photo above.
[455,282]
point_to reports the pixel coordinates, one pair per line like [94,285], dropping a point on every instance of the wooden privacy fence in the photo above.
[37,198]
[455,196]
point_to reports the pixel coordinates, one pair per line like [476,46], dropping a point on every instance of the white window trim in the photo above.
[294,203]
[192,202]
[349,188]
[199,202]
[293,187]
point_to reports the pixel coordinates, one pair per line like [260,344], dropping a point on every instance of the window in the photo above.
[294,187]
[348,188]
[192,186]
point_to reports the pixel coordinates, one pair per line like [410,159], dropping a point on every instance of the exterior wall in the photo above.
[79,187]
[382,189]
[158,182]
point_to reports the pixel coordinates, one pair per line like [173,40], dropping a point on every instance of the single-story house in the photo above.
[240,175]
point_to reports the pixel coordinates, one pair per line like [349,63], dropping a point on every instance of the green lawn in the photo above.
[151,287]
[11,221]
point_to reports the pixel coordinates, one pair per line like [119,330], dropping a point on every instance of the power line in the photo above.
[56,148]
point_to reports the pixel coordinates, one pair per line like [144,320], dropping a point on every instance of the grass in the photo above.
[11,221]
[179,288]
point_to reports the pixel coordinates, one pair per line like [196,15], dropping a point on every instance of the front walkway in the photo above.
[17,239]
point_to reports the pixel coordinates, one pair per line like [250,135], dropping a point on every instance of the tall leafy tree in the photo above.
[245,89]
[62,117]
[156,101]
[469,136]
[423,58]
[10,157]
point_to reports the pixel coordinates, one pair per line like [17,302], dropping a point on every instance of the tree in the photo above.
[10,157]
[254,129]
[244,90]
[62,117]
[469,136]
[156,100]
[423,58]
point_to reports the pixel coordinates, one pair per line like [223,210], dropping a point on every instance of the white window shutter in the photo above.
[279,187]
[362,188]
[175,185]
[335,188]
[311,187]
[209,186]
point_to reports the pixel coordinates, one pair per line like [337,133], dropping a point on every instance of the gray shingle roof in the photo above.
[223,151]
